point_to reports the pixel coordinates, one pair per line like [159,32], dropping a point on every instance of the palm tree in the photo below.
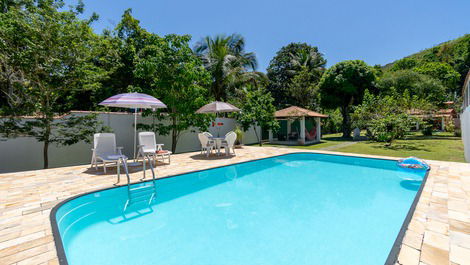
[307,67]
[230,66]
[309,60]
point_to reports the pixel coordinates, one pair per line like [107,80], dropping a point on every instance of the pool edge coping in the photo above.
[393,255]
[391,258]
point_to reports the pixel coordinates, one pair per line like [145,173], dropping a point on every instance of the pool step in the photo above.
[140,188]
[141,192]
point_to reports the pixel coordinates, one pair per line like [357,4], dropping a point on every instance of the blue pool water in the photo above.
[294,209]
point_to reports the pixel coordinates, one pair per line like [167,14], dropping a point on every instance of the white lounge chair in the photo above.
[148,146]
[105,150]
[206,144]
[229,142]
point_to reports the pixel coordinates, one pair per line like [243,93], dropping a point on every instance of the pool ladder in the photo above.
[141,192]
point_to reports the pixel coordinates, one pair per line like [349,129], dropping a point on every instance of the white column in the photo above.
[443,124]
[289,123]
[317,120]
[270,136]
[302,130]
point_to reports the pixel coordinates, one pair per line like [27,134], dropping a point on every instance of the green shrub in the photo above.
[333,123]
[389,127]
[426,128]
[239,134]
[450,127]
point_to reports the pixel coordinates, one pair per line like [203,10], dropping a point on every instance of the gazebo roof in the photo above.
[295,111]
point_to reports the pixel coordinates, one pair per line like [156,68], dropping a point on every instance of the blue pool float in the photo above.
[413,163]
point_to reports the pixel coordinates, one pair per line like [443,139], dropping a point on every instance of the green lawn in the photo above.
[441,146]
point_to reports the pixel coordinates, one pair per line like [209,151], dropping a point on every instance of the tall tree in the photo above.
[290,61]
[46,53]
[456,53]
[118,54]
[304,91]
[257,110]
[343,86]
[442,72]
[405,64]
[416,84]
[229,64]
[169,70]
[306,71]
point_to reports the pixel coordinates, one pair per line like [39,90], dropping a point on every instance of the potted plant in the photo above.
[239,141]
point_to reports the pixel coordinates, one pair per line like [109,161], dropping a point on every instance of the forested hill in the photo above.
[454,52]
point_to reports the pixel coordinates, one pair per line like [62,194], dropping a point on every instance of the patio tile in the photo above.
[459,216]
[460,239]
[27,245]
[22,255]
[436,240]
[413,239]
[439,232]
[460,255]
[438,227]
[434,256]
[408,256]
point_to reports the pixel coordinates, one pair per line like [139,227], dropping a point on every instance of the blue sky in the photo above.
[376,31]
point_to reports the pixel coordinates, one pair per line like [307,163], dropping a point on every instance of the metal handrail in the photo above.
[129,189]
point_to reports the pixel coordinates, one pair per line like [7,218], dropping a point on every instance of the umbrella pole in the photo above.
[217,125]
[135,131]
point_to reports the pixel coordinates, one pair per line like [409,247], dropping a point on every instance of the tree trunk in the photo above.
[45,150]
[346,127]
[257,137]
[174,136]
[174,141]
[45,154]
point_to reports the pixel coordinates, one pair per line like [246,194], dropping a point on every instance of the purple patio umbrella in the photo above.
[133,101]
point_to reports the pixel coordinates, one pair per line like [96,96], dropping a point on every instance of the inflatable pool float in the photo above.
[413,163]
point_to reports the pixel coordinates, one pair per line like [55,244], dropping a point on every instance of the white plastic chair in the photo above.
[208,134]
[105,150]
[229,142]
[206,144]
[148,146]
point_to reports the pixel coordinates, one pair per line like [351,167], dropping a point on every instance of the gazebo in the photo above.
[298,126]
[439,119]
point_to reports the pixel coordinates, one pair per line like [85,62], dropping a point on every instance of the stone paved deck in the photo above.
[439,232]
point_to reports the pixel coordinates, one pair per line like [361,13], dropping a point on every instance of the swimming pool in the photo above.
[298,208]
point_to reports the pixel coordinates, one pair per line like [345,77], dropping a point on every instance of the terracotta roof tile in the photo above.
[295,111]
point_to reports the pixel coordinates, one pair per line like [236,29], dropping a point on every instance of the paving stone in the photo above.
[441,217]
[460,255]
[460,239]
[408,256]
[436,240]
[434,256]
[413,239]
[460,226]
[438,227]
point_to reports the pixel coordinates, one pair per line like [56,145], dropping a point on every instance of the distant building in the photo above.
[439,119]
[465,117]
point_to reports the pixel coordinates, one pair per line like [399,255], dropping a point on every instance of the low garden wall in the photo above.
[25,153]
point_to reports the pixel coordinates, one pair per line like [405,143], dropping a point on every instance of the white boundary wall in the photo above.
[465,125]
[25,153]
[465,117]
